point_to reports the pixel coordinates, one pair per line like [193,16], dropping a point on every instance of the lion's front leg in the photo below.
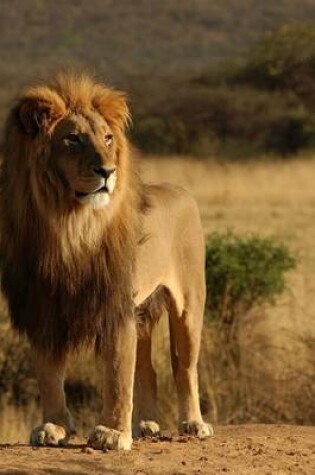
[57,421]
[119,354]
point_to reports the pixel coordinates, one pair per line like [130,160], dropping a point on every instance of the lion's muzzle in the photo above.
[103,186]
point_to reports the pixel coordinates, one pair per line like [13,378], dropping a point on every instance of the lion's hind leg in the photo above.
[185,334]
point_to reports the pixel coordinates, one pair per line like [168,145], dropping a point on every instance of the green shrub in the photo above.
[156,134]
[261,103]
[292,133]
[239,383]
[285,59]
[243,273]
[238,121]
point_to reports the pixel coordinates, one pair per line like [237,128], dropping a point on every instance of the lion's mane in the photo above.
[66,271]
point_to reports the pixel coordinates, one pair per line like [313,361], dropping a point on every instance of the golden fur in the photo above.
[86,248]
[60,263]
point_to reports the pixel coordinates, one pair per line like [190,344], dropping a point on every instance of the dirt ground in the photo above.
[252,449]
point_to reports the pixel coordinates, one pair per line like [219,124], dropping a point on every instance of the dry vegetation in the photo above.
[110,34]
[275,382]
[124,41]
[268,198]
[198,50]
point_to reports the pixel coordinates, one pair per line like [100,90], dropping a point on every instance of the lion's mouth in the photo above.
[104,187]
[82,194]
[98,195]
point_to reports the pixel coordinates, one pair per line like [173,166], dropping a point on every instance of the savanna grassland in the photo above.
[222,98]
[270,198]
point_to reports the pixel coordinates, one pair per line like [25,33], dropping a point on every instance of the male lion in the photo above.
[89,252]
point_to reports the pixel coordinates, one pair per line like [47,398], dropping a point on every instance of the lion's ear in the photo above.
[39,115]
[112,105]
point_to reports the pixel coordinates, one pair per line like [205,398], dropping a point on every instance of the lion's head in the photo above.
[71,143]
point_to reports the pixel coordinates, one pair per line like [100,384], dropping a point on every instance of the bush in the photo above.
[159,135]
[239,382]
[243,273]
[285,59]
[261,104]
[238,121]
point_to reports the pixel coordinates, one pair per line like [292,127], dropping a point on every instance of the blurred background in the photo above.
[222,96]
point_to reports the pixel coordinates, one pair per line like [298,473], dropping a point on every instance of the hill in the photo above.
[124,40]
[151,49]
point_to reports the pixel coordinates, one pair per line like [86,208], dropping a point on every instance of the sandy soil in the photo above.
[255,449]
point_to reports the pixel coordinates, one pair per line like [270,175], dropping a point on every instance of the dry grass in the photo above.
[270,199]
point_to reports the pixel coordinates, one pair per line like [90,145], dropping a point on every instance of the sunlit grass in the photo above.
[267,198]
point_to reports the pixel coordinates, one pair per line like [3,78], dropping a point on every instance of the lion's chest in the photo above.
[65,307]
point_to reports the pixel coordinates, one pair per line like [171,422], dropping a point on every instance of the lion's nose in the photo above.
[104,172]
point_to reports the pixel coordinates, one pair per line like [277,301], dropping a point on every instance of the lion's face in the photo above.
[73,133]
[84,152]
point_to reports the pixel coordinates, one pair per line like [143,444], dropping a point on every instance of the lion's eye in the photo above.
[108,139]
[72,139]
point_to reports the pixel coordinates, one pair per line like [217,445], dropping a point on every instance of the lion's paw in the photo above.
[202,430]
[104,438]
[49,434]
[147,429]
